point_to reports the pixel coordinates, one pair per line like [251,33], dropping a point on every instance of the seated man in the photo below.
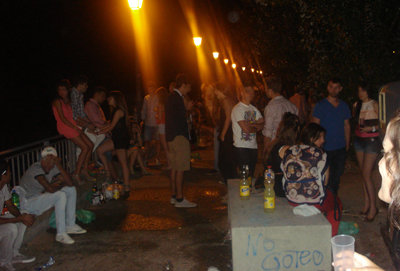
[48,185]
[12,226]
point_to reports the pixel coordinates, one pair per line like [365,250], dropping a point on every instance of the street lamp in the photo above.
[197,41]
[252,69]
[226,61]
[234,66]
[135,4]
[260,72]
[257,71]
[215,55]
[243,68]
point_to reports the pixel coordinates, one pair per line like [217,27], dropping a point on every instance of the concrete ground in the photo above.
[146,232]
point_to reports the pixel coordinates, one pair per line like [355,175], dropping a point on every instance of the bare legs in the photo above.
[122,158]
[366,163]
[135,154]
[164,145]
[86,146]
[176,182]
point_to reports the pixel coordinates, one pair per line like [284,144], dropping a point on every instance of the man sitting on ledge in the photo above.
[48,185]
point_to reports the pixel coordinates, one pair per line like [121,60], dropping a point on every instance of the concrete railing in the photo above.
[20,158]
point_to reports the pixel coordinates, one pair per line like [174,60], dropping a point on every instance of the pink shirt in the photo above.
[95,113]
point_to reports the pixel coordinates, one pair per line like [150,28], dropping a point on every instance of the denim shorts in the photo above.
[367,144]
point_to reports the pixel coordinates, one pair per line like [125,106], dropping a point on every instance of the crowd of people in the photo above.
[305,145]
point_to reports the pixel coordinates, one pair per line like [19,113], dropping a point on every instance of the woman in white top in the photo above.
[367,145]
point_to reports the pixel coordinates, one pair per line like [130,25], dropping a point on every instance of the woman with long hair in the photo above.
[305,174]
[287,135]
[367,145]
[67,127]
[162,95]
[226,163]
[389,167]
[119,135]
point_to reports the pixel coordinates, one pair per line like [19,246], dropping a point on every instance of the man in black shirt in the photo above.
[177,135]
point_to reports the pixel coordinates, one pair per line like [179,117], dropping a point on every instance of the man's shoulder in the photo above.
[237,106]
[34,170]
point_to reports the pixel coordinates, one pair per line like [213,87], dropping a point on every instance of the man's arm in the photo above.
[316,120]
[347,133]
[64,177]
[27,219]
[245,125]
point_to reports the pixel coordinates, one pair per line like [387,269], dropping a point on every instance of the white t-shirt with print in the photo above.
[240,112]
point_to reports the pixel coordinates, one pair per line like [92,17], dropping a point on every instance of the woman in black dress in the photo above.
[226,163]
[119,135]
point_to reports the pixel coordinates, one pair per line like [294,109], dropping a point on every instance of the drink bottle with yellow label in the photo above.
[269,193]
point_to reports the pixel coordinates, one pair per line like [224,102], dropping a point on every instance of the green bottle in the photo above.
[15,198]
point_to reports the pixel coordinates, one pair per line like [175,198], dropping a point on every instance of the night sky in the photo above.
[45,41]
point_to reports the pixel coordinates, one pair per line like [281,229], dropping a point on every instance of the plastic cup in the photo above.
[343,252]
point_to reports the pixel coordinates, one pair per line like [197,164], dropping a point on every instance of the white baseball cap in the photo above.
[48,151]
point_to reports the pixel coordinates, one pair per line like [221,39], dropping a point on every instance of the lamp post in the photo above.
[252,69]
[226,61]
[234,66]
[197,41]
[243,68]
[215,55]
[135,4]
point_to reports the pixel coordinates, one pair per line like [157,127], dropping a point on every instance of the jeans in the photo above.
[64,203]
[246,156]
[336,162]
[11,236]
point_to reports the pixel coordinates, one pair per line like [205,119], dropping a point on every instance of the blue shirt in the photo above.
[332,119]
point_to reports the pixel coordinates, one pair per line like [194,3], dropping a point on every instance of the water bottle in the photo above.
[15,198]
[269,193]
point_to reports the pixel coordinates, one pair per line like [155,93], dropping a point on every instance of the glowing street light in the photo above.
[243,68]
[226,61]
[257,71]
[197,41]
[234,66]
[252,69]
[215,55]
[135,4]
[260,72]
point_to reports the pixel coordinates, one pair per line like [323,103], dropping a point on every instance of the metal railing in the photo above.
[22,157]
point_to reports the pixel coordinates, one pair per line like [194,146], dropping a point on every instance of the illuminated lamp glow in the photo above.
[197,41]
[135,4]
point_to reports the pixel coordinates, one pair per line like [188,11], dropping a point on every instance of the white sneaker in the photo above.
[185,204]
[20,258]
[172,201]
[75,229]
[64,239]
[7,267]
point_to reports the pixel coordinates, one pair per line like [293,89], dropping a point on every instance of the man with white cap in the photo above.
[48,185]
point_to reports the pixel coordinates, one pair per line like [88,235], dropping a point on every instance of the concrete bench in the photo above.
[276,241]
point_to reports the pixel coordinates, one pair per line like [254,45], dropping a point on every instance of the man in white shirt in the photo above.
[276,108]
[246,121]
[12,225]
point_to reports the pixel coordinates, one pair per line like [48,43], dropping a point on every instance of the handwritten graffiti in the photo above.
[275,260]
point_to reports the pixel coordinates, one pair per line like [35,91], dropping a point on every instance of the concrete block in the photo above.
[276,241]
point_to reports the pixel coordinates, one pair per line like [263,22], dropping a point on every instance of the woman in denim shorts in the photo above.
[367,145]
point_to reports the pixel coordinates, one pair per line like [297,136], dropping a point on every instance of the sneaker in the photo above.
[20,258]
[75,229]
[185,204]
[7,267]
[64,239]
[172,201]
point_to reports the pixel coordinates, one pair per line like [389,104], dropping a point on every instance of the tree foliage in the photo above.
[308,41]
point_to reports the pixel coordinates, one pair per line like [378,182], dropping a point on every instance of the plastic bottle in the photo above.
[269,193]
[244,187]
[248,174]
[4,211]
[15,198]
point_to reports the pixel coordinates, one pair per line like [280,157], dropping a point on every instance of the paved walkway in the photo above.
[146,232]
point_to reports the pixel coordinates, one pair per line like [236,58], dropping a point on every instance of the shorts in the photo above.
[179,153]
[150,133]
[367,144]
[161,128]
